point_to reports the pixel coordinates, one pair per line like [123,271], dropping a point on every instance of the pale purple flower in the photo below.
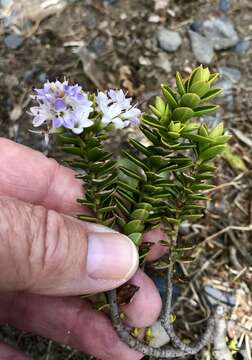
[119,97]
[77,121]
[62,105]
[117,109]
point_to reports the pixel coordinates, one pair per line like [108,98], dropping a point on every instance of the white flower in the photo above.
[77,121]
[117,109]
[119,97]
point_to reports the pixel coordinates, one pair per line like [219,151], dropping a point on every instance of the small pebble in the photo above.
[230,73]
[160,336]
[42,77]
[13,41]
[196,25]
[144,61]
[220,32]
[169,40]
[215,296]
[202,48]
[163,62]
[154,18]
[242,46]
[224,5]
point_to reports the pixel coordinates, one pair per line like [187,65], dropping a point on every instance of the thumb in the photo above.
[44,252]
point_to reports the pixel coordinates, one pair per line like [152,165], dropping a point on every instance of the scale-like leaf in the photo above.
[203,110]
[170,96]
[211,152]
[180,84]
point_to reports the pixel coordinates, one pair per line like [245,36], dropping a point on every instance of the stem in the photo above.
[168,324]
[133,342]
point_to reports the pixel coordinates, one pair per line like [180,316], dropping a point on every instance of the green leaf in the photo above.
[136,160]
[199,74]
[157,161]
[131,173]
[190,100]
[193,207]
[203,110]
[191,217]
[86,203]
[136,237]
[180,84]
[155,111]
[234,160]
[171,220]
[189,128]
[95,154]
[223,139]
[168,168]
[133,226]
[72,150]
[150,135]
[170,96]
[126,196]
[140,214]
[151,121]
[200,88]
[217,131]
[203,130]
[197,196]
[211,94]
[173,135]
[87,218]
[211,152]
[68,139]
[212,78]
[160,104]
[199,138]
[182,114]
[144,205]
[100,167]
[205,176]
[123,185]
[106,209]
[197,187]
[140,147]
[113,178]
[203,167]
[103,179]
[122,207]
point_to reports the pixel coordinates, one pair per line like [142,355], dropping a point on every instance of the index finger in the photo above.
[28,175]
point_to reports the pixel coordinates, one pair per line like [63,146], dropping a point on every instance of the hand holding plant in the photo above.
[159,185]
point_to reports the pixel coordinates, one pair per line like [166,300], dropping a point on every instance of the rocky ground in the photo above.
[138,44]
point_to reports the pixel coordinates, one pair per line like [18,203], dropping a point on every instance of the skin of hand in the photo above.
[47,257]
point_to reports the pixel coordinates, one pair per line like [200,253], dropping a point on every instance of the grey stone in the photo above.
[202,48]
[196,25]
[42,77]
[169,40]
[230,73]
[242,46]
[216,296]
[224,5]
[13,41]
[160,336]
[221,32]
[163,62]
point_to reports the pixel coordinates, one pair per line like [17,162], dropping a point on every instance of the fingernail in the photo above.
[111,256]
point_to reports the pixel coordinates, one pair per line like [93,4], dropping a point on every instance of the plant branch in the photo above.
[132,342]
[167,322]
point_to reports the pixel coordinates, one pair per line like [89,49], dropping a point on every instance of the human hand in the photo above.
[47,256]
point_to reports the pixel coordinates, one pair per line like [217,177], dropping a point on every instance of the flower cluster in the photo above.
[117,109]
[61,105]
